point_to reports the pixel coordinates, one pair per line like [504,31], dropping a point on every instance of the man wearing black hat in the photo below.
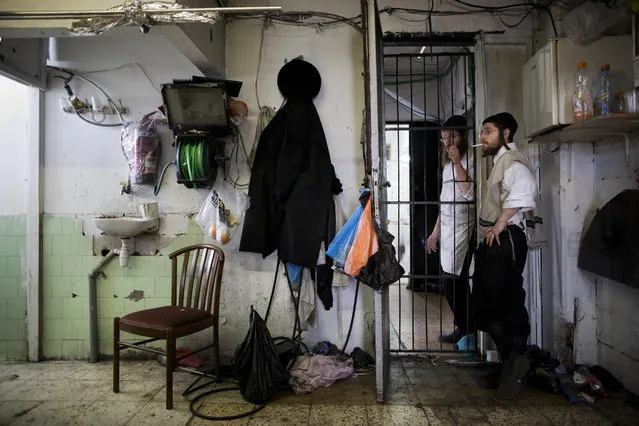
[498,296]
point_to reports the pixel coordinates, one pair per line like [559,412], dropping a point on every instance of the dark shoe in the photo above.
[452,337]
[513,373]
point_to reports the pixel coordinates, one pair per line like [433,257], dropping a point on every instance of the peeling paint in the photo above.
[136,295]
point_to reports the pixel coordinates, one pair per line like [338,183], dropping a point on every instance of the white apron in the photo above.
[457,221]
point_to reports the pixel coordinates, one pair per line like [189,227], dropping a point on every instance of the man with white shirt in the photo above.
[498,296]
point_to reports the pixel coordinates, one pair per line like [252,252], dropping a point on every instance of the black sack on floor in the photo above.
[257,363]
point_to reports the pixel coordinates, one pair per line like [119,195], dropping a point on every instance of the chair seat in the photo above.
[165,317]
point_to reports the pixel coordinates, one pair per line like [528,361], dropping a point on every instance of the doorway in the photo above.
[424,85]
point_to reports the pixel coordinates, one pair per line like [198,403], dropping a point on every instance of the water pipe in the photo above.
[93,302]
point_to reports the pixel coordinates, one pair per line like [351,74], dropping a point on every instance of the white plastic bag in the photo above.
[586,23]
[222,211]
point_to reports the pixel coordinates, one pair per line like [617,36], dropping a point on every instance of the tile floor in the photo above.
[420,393]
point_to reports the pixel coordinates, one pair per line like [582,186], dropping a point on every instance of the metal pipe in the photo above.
[72,14]
[93,303]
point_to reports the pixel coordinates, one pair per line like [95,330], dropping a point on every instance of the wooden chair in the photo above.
[195,300]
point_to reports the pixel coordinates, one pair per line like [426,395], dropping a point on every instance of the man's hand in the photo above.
[431,243]
[492,233]
[454,155]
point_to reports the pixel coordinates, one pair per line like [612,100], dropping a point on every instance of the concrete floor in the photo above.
[420,393]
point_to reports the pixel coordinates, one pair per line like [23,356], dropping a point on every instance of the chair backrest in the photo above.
[196,276]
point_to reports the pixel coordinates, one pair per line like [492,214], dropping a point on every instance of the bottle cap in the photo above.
[605,67]
[581,65]
[619,95]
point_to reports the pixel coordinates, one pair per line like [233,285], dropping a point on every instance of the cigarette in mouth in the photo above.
[475,146]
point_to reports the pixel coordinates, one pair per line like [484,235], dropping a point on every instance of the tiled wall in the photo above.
[13,295]
[68,260]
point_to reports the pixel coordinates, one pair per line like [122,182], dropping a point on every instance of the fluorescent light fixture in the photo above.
[422,51]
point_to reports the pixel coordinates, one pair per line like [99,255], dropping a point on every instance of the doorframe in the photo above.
[35,128]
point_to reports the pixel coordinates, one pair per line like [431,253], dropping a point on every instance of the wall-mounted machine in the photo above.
[197,112]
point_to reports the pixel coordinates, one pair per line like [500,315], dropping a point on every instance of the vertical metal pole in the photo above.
[399,298]
[410,125]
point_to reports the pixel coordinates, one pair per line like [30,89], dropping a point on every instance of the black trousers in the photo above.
[457,291]
[498,297]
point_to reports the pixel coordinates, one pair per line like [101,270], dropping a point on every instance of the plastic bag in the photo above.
[365,244]
[140,145]
[587,22]
[382,268]
[222,211]
[257,364]
[339,280]
[340,246]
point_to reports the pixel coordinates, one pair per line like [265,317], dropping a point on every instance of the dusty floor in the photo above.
[79,393]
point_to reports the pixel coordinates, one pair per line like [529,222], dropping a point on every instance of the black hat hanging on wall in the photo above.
[293,181]
[299,80]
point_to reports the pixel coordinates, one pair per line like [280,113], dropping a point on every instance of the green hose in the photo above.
[192,160]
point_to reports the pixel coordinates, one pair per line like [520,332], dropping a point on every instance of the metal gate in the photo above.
[424,85]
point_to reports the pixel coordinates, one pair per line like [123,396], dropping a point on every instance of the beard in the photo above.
[492,150]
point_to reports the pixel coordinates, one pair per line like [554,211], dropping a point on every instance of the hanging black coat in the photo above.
[291,207]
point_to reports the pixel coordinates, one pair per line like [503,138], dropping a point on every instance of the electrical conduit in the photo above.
[93,302]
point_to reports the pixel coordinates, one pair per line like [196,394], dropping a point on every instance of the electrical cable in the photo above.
[128,65]
[259,64]
[350,327]
[158,185]
[106,95]
[96,124]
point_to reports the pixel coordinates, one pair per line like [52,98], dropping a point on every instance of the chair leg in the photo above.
[170,367]
[216,350]
[116,355]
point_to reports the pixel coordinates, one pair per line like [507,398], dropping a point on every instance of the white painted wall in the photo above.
[13,143]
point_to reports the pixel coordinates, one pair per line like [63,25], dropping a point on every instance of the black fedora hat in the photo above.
[299,80]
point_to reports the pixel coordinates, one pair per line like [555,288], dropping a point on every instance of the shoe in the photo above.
[450,338]
[466,343]
[513,373]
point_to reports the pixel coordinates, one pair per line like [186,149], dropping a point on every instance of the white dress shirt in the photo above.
[456,221]
[518,189]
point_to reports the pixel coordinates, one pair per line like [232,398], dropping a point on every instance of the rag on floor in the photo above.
[310,373]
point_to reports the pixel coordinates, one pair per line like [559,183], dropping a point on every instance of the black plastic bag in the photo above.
[382,268]
[257,363]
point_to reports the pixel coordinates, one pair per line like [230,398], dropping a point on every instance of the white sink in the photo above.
[125,227]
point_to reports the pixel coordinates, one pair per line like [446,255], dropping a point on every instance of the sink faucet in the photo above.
[126,187]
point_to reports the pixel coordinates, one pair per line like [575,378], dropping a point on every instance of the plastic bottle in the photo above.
[582,99]
[603,95]
[620,102]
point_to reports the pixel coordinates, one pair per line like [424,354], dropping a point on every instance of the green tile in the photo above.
[145,284]
[72,266]
[19,225]
[22,329]
[6,222]
[105,288]
[80,286]
[74,349]
[59,287]
[14,267]
[17,308]
[78,227]
[82,245]
[133,306]
[52,308]
[52,348]
[162,287]
[105,328]
[67,225]
[4,308]
[79,329]
[51,225]
[3,350]
[22,290]
[123,286]
[9,245]
[8,288]
[46,245]
[52,266]
[62,245]
[105,346]
[74,308]
[4,272]
[194,229]
[9,329]
[156,266]
[157,302]
[17,350]
[110,308]
[137,267]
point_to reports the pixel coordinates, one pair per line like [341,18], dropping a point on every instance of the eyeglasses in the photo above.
[487,132]
[445,139]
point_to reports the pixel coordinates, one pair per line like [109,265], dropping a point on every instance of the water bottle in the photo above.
[603,92]
[582,99]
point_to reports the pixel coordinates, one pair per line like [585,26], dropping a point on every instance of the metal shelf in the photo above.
[595,129]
